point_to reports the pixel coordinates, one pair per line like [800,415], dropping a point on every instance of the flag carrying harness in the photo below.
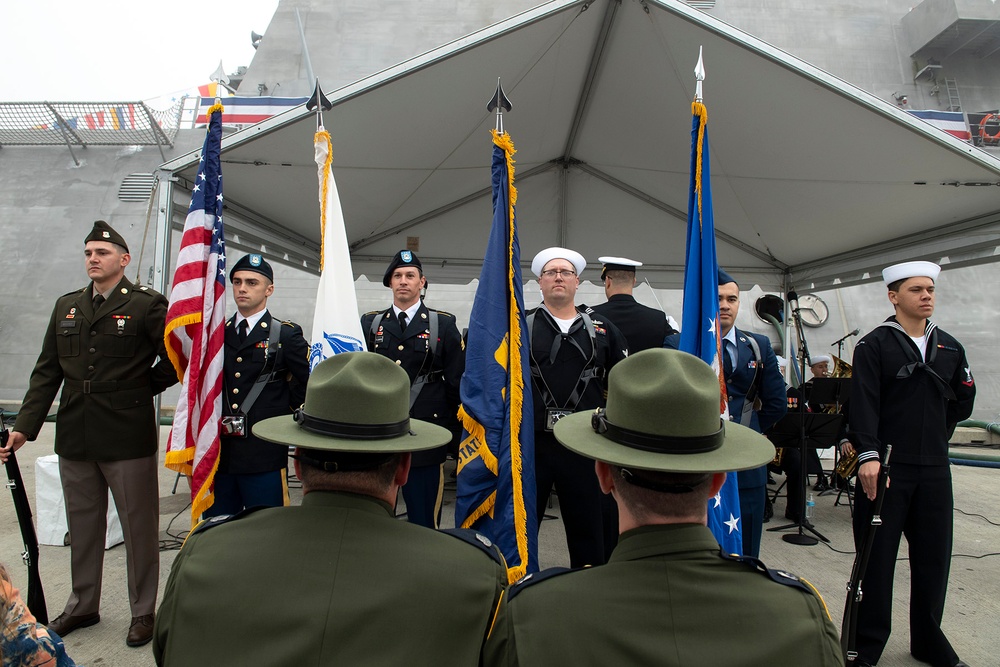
[589,372]
[422,378]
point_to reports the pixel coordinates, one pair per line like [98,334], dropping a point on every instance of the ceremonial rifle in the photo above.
[36,596]
[849,628]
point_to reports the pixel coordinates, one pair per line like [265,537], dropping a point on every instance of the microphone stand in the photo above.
[801,538]
[840,342]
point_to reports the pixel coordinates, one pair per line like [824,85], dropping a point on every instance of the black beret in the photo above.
[102,231]
[255,263]
[725,278]
[401,258]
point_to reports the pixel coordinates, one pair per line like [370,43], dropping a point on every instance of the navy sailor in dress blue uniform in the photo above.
[428,346]
[265,375]
[911,384]
[642,326]
[572,350]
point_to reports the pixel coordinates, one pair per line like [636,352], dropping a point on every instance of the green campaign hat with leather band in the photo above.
[663,414]
[355,402]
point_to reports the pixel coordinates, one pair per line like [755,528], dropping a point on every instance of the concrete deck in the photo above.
[970,617]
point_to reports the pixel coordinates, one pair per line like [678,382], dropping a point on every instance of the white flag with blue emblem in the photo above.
[336,323]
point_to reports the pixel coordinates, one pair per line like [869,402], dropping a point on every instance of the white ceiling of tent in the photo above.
[811,177]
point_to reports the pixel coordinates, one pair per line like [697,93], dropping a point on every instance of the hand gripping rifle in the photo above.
[36,596]
[849,628]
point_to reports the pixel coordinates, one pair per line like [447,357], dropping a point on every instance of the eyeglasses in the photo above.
[563,273]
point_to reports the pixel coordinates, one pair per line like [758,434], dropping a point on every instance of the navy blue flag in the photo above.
[700,331]
[496,475]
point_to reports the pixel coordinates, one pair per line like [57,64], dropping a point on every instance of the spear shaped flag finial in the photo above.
[500,103]
[318,100]
[699,75]
[219,75]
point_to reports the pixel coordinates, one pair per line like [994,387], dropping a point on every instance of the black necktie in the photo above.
[241,329]
[98,300]
[727,361]
[402,320]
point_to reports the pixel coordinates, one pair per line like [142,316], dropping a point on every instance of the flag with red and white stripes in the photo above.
[196,322]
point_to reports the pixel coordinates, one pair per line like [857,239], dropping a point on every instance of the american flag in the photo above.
[195,331]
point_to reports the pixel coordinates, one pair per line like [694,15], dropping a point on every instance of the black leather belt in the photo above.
[101,387]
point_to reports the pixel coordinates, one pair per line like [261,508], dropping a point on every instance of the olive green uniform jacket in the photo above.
[335,581]
[107,364]
[666,597]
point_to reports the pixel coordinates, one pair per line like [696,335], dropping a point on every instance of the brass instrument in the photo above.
[848,463]
[847,466]
[841,369]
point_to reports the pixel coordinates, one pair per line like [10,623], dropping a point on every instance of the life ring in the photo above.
[986,136]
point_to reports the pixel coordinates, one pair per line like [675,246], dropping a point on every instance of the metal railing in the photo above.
[85,124]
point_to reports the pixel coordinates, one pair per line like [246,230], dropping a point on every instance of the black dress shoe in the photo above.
[961,663]
[63,624]
[821,484]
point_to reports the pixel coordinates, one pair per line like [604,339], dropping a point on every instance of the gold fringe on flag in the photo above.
[323,134]
[698,109]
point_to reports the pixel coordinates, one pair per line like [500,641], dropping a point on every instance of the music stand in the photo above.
[830,391]
[803,430]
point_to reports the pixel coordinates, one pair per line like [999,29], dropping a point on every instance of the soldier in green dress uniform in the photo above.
[104,345]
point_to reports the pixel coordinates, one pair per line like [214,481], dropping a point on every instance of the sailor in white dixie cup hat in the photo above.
[572,350]
[911,384]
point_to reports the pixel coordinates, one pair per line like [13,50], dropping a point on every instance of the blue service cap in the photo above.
[725,278]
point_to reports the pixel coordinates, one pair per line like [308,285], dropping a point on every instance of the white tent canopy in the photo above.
[815,182]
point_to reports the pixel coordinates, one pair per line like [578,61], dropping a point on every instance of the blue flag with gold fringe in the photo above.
[496,477]
[700,327]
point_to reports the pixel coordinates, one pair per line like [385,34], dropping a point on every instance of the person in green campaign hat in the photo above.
[357,585]
[663,415]
[356,402]
[668,595]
